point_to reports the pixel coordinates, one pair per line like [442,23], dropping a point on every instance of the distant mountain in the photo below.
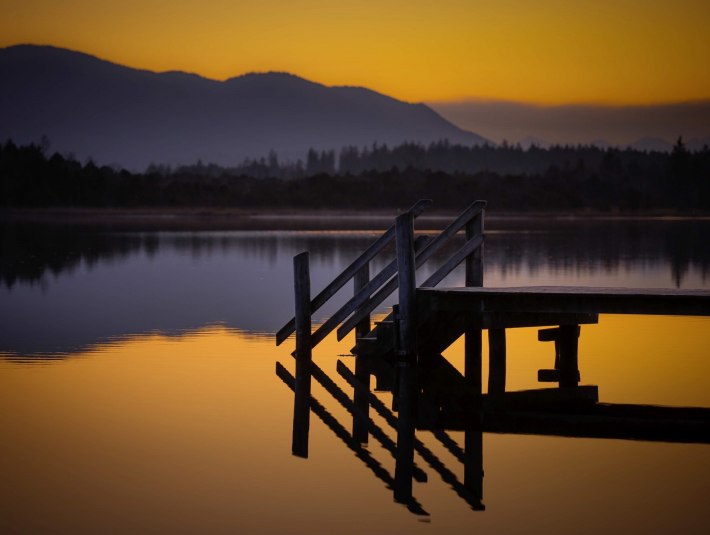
[129,117]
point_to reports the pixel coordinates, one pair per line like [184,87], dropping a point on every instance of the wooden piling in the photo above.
[473,363]
[404,235]
[496,362]
[302,389]
[406,358]
[473,335]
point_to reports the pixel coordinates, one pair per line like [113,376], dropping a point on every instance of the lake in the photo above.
[139,394]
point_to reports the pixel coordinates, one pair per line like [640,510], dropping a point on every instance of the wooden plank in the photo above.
[350,271]
[367,306]
[454,227]
[510,320]
[558,300]
[454,260]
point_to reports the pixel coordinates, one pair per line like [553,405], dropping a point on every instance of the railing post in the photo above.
[474,263]
[474,277]
[406,358]
[404,232]
[302,387]
[362,372]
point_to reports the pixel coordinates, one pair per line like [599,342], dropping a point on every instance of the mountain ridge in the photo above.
[130,117]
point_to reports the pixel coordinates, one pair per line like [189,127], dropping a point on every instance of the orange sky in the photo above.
[549,51]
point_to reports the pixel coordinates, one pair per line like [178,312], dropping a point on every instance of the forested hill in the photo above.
[564,179]
[129,117]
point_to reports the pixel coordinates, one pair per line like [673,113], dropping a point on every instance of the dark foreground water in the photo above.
[138,393]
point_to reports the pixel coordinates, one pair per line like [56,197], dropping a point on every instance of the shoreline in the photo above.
[208,218]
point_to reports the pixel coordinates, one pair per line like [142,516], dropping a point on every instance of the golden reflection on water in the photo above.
[191,434]
[660,360]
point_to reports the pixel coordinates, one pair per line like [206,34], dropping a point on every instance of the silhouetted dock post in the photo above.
[473,346]
[406,357]
[362,371]
[474,277]
[302,390]
[496,362]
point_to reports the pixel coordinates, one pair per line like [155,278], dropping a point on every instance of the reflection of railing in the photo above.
[469,490]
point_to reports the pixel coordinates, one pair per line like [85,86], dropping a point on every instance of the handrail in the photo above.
[349,272]
[473,211]
[372,294]
[362,296]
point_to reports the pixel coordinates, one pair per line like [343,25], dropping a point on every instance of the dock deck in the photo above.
[567,299]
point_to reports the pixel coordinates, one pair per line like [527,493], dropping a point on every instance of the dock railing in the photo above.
[371,292]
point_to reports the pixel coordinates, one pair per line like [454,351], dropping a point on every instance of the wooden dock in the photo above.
[404,354]
[566,300]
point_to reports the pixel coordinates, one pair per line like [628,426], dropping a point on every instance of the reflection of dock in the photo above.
[404,354]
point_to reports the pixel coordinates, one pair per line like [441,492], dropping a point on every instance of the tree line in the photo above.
[509,177]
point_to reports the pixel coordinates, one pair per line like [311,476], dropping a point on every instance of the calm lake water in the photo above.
[138,391]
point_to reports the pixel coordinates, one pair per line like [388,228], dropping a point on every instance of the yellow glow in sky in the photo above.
[549,51]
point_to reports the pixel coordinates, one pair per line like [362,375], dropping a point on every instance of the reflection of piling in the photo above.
[566,371]
[302,387]
[362,371]
[406,357]
[496,363]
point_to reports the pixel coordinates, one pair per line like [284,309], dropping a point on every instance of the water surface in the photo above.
[138,391]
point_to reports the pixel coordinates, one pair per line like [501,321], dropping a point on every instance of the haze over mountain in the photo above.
[129,117]
[643,127]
